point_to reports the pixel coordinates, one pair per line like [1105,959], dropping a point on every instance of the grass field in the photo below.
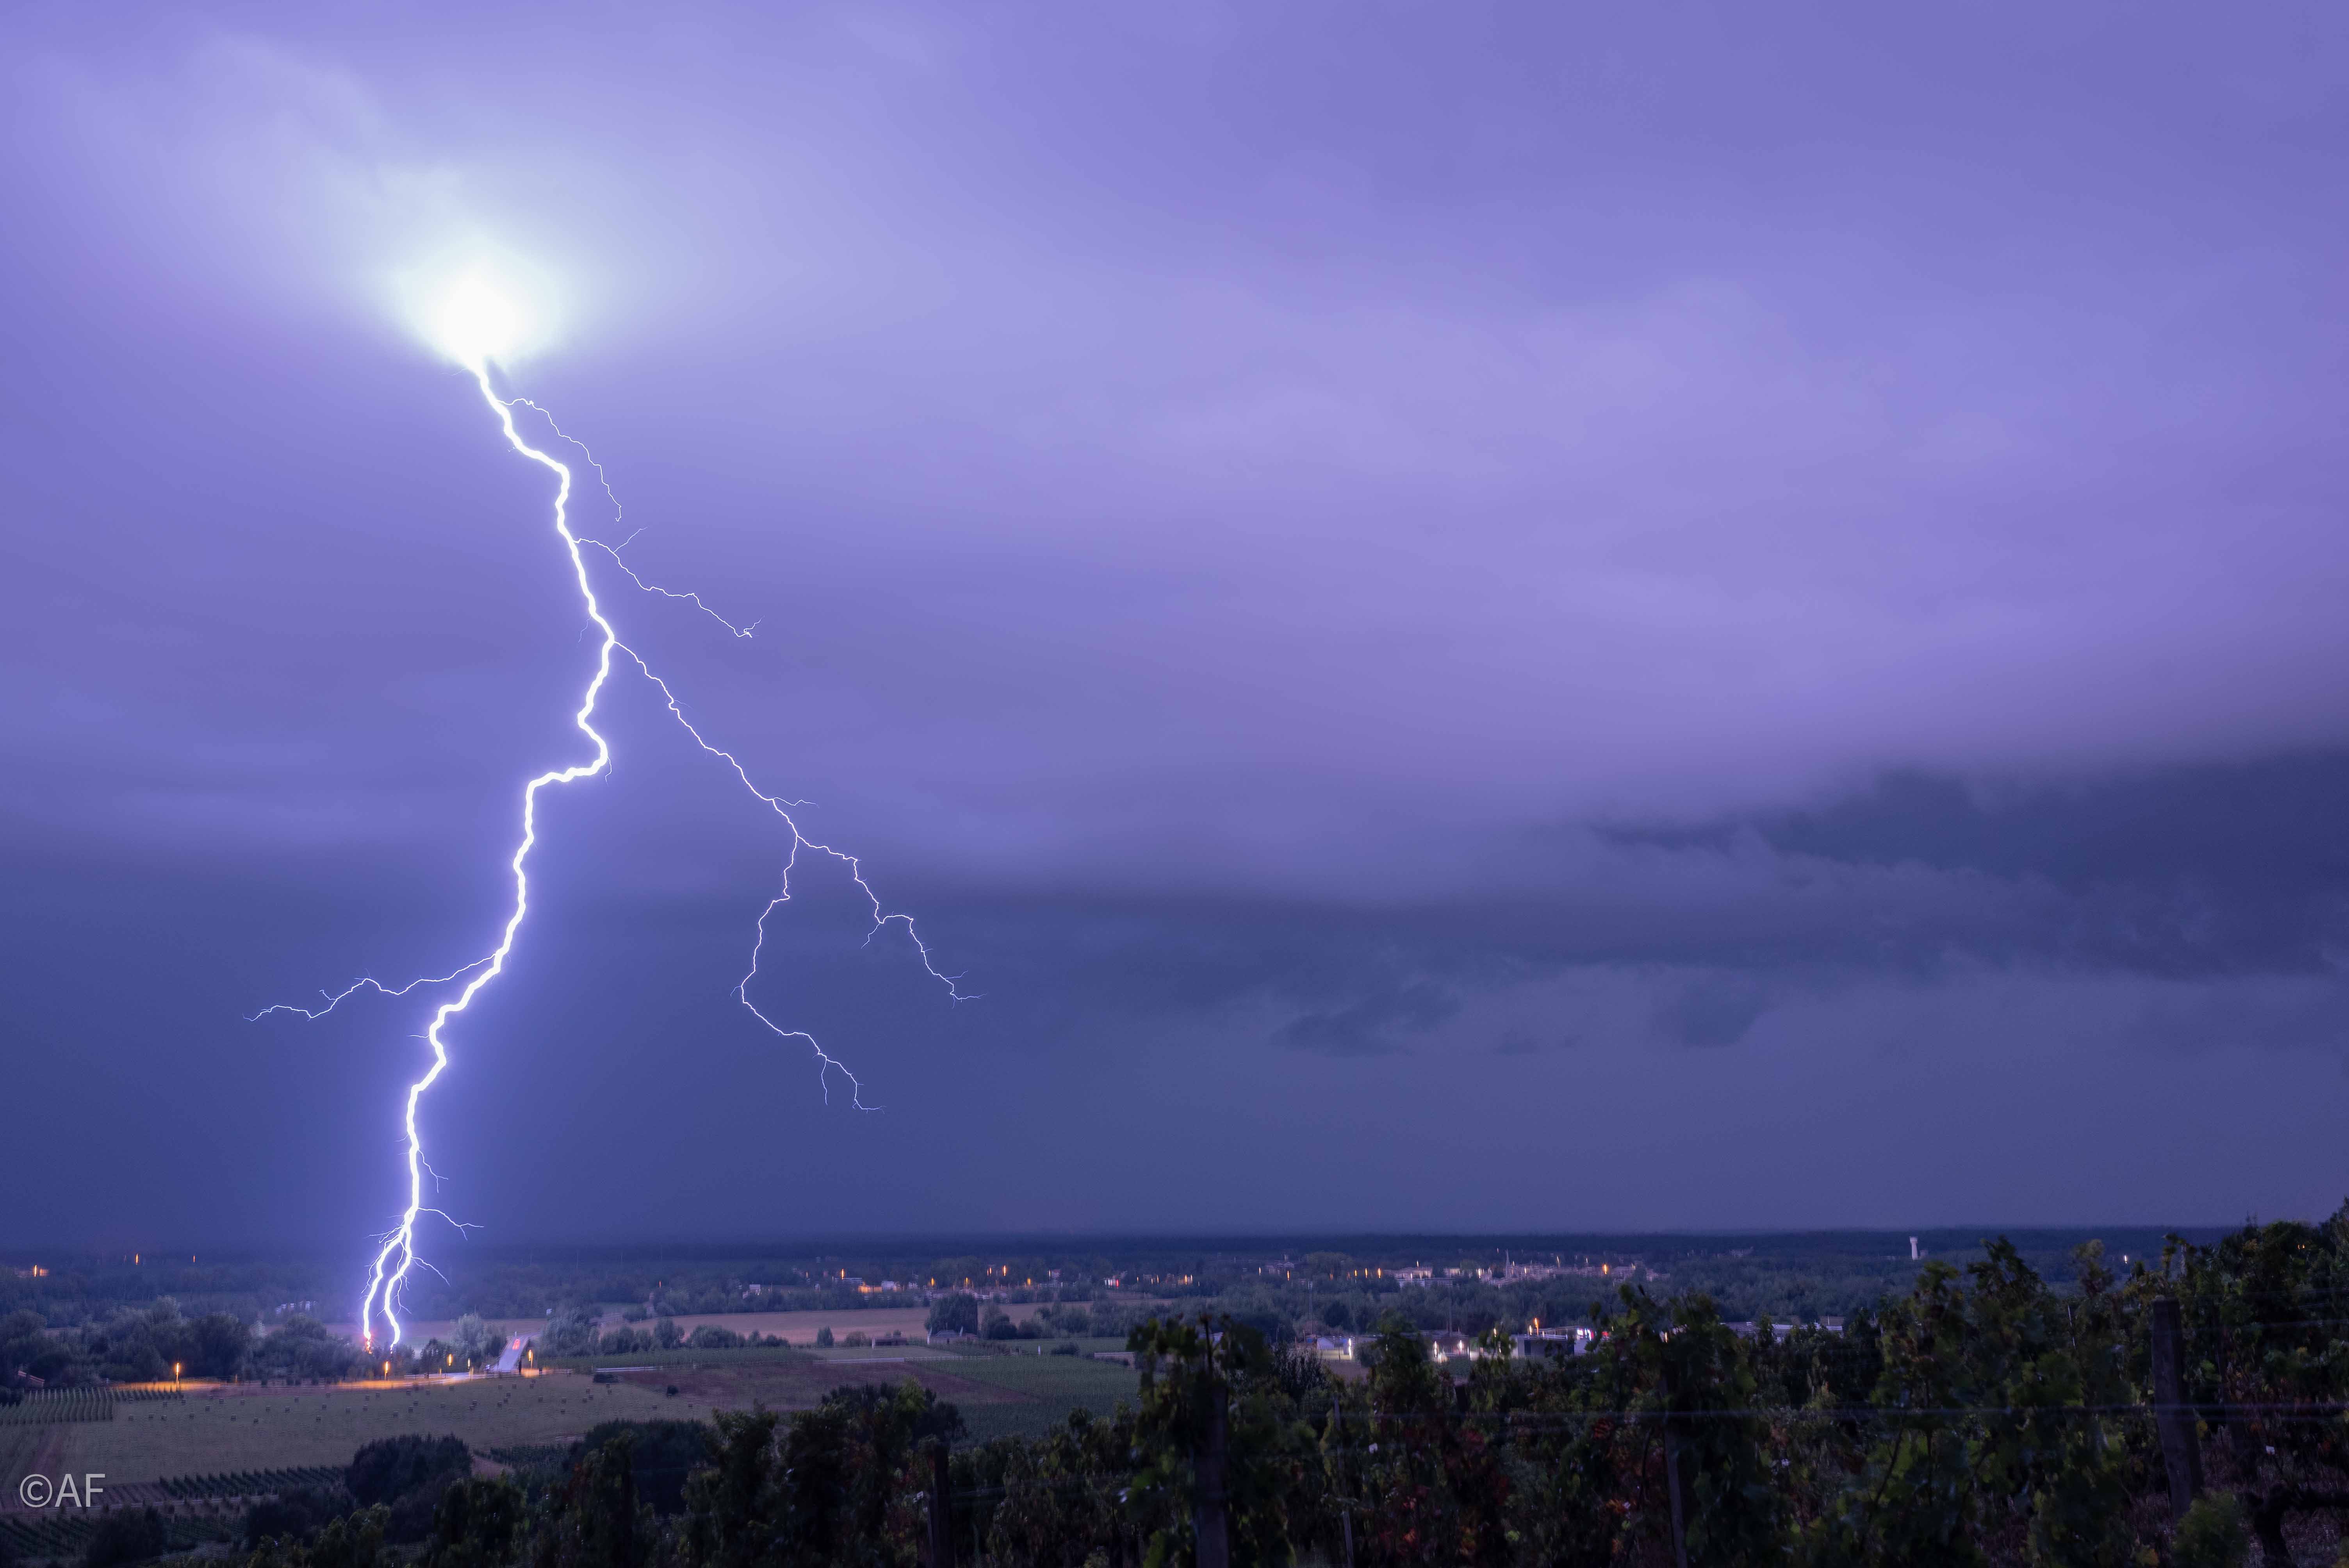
[1059,1380]
[1049,1387]
[799,1327]
[1028,1347]
[753,1355]
[998,1395]
[272,1428]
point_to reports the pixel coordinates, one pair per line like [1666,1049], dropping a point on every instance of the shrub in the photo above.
[354,1540]
[478,1524]
[661,1454]
[293,1515]
[124,1536]
[955,1312]
[410,1520]
[392,1467]
[573,1334]
[2213,1534]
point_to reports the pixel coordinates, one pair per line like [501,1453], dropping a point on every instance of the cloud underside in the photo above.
[2198,906]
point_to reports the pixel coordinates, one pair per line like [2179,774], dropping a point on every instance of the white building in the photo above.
[1553,1342]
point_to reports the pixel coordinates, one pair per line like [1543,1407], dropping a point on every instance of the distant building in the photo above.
[1780,1330]
[1754,1330]
[1553,1343]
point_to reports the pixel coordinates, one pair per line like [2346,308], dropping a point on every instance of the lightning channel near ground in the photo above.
[397,1254]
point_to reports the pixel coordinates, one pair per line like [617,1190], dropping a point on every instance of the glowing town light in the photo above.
[475,324]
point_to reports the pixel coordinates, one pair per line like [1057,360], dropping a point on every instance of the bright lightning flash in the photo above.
[475,324]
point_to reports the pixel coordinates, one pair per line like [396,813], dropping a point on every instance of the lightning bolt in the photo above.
[397,1256]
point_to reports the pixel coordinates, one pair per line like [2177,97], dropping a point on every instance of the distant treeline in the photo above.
[158,1342]
[1796,1276]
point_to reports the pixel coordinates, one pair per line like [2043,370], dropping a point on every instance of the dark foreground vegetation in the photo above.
[1984,1416]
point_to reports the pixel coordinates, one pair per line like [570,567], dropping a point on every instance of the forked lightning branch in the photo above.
[476,326]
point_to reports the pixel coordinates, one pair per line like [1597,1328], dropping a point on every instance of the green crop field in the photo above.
[52,1404]
[1028,1348]
[47,1407]
[289,1429]
[984,1423]
[1060,1382]
[1046,1388]
[251,1484]
[745,1355]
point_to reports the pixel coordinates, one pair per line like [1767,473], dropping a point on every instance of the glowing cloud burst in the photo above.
[475,323]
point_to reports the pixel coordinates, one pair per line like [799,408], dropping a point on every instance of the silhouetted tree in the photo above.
[955,1312]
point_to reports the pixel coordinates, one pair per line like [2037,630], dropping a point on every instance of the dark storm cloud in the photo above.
[1712,1011]
[1376,1025]
[2201,868]
[1770,582]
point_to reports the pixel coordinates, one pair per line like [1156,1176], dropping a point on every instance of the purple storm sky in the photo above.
[1461,617]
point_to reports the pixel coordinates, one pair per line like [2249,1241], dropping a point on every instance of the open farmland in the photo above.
[1045,1389]
[983,1387]
[258,1428]
[17,1445]
[1062,1381]
[798,1327]
[255,1428]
